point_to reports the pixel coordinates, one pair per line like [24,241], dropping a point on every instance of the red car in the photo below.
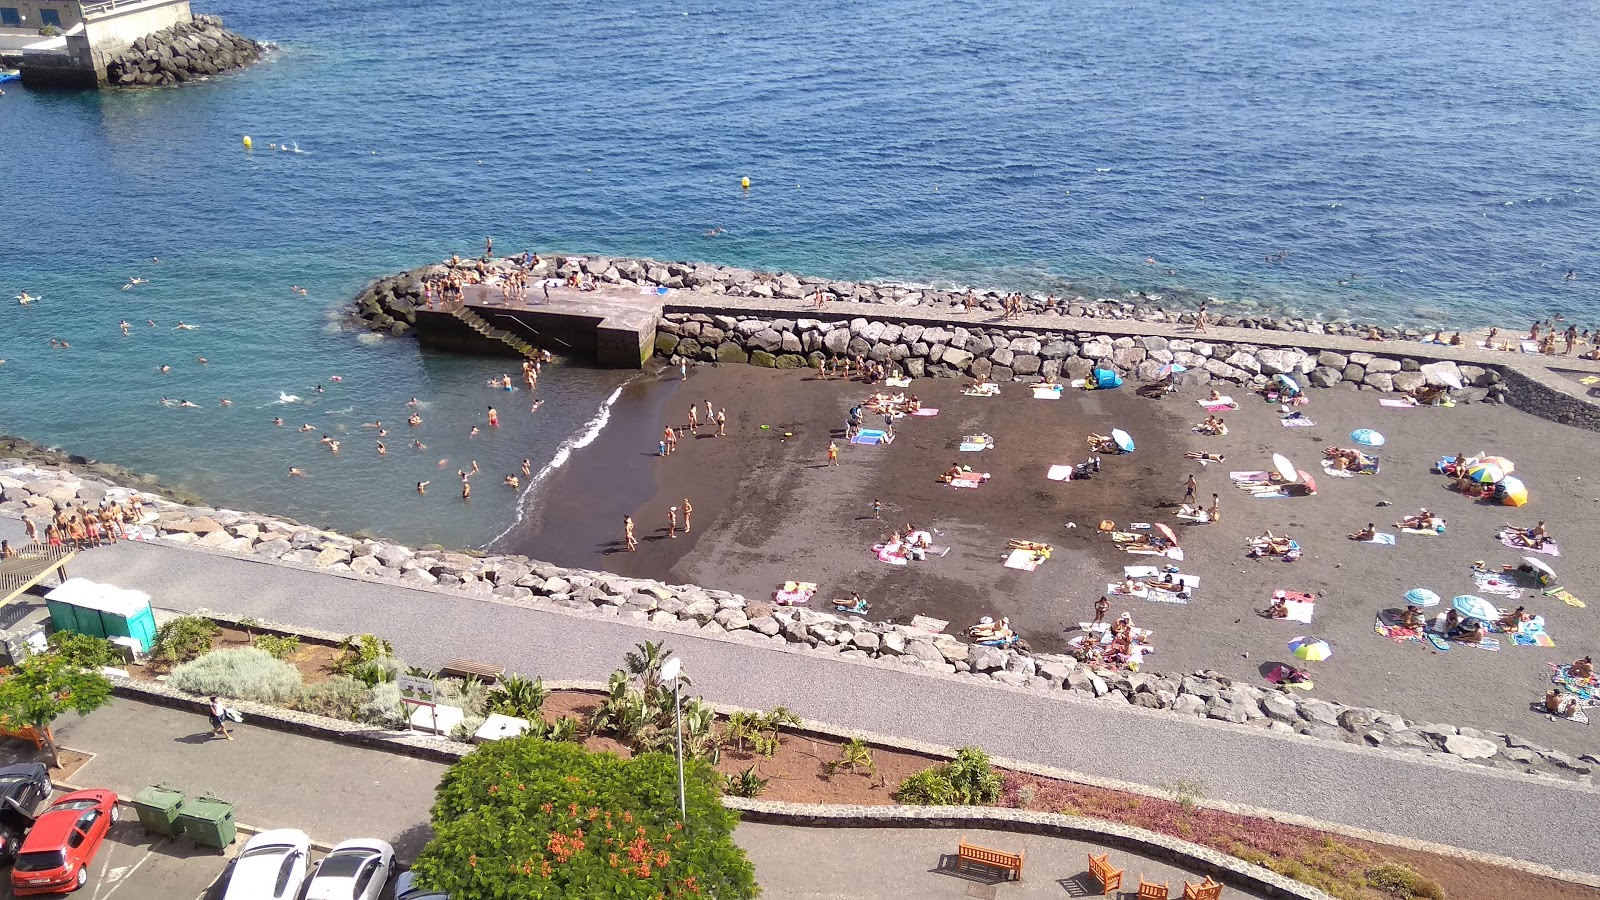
[55,856]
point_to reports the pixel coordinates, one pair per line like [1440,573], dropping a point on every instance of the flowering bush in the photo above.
[528,818]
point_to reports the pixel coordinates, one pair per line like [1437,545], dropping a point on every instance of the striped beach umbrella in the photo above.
[1516,493]
[1421,597]
[1486,473]
[1310,649]
[1366,437]
[1475,608]
[1505,465]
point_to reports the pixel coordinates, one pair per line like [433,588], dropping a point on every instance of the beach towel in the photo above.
[1587,691]
[872,436]
[982,390]
[893,554]
[1059,473]
[1388,540]
[1199,517]
[925,412]
[1589,379]
[969,479]
[1488,643]
[1248,477]
[1423,531]
[1140,571]
[1549,549]
[1274,494]
[1530,347]
[1331,472]
[1165,596]
[1565,596]
[1299,611]
[793,593]
[1488,583]
[1296,422]
[1221,404]
[1396,404]
[973,443]
[1397,633]
[1026,560]
[1047,392]
[894,381]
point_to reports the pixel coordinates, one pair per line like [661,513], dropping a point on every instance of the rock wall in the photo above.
[183,52]
[517,580]
[1033,355]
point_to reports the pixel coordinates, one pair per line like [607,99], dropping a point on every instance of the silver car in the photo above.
[354,870]
[272,866]
[405,888]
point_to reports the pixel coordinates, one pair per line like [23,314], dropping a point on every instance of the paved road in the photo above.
[1466,807]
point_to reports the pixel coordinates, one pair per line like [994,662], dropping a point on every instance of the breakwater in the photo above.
[31,489]
[183,52]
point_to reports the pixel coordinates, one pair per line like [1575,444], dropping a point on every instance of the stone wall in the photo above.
[1002,353]
[180,53]
[517,580]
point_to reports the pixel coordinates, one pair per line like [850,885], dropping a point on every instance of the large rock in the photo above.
[1325,376]
[1469,747]
[1382,381]
[956,359]
[1383,364]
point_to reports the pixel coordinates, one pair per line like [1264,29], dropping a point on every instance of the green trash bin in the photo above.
[208,821]
[158,809]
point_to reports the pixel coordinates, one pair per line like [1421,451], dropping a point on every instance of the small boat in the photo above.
[9,75]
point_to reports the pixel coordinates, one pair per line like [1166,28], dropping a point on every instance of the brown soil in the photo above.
[71,761]
[314,659]
[798,773]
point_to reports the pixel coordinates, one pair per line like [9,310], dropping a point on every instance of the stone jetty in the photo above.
[183,52]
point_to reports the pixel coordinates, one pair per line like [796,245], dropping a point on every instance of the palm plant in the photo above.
[519,697]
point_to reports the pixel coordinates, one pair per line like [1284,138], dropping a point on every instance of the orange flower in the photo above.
[472,860]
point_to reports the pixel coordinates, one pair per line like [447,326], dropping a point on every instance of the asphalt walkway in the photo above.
[1468,807]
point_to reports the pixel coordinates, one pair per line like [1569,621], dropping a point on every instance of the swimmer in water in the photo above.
[325,438]
[152,322]
[307,427]
[296,473]
[527,467]
[226,402]
[318,390]
[373,425]
[494,417]
[473,432]
[412,403]
[419,445]
[124,326]
[201,360]
[184,326]
[382,450]
[536,405]
[474,468]
[166,402]
[24,298]
[414,420]
[383,432]
[333,446]
[512,482]
[713,232]
[277,421]
[165,369]
[187,405]
[422,487]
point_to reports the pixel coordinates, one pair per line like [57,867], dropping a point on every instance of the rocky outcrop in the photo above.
[31,489]
[184,52]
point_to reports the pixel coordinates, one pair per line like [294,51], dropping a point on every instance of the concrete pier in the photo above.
[613,326]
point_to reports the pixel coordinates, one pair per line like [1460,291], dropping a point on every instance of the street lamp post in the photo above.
[671,670]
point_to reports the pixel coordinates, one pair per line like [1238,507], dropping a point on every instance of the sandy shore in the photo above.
[769,509]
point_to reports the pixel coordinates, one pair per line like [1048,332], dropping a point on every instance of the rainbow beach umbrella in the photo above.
[1486,473]
[1516,493]
[1310,649]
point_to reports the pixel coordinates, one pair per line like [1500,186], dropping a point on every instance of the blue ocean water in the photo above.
[1440,153]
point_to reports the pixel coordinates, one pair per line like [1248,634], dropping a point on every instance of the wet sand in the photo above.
[769,509]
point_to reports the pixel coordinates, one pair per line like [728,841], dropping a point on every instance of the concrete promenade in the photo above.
[1547,823]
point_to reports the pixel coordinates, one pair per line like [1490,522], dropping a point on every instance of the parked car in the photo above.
[23,787]
[405,888]
[272,866]
[354,870]
[55,856]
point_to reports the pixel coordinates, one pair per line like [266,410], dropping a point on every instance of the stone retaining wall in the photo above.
[520,581]
[180,53]
[1187,856]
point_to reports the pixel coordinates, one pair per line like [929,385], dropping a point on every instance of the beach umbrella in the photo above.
[1421,597]
[1541,566]
[1123,439]
[1366,437]
[1285,468]
[1287,383]
[1506,465]
[1171,369]
[1161,527]
[1484,473]
[1305,479]
[1516,493]
[1475,608]
[1310,649]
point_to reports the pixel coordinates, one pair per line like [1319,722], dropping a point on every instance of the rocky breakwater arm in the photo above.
[390,304]
[198,48]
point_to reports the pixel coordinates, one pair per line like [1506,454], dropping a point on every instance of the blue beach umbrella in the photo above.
[1123,439]
[1421,597]
[1366,437]
[1171,369]
[1475,608]
[1287,383]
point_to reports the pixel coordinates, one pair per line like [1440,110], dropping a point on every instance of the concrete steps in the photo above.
[480,325]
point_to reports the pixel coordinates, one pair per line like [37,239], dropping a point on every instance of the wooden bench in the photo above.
[1100,867]
[1205,890]
[1149,890]
[471,669]
[971,854]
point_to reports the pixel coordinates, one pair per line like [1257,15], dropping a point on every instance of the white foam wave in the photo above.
[579,440]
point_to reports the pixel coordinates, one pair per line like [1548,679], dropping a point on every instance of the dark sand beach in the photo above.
[769,509]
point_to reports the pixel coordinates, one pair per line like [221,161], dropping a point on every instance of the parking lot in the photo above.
[132,865]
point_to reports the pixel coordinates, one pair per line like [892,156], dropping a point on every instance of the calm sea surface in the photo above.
[1443,154]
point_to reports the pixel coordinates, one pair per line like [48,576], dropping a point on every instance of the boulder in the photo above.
[1382,381]
[1325,376]
[1469,747]
[1383,364]
[956,359]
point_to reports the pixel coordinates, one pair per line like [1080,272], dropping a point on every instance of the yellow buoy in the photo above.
[745,182]
[247,144]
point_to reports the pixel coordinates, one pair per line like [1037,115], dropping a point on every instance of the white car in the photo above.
[356,869]
[405,888]
[272,866]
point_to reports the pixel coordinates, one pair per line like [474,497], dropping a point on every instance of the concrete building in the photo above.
[91,34]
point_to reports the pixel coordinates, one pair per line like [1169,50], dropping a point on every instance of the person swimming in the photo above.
[296,473]
[184,326]
[277,421]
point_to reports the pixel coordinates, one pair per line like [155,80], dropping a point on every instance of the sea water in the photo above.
[1437,159]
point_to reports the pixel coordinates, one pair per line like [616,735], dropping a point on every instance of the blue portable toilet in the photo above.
[102,610]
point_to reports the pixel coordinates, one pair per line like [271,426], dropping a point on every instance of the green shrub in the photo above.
[373,672]
[466,729]
[506,820]
[1403,883]
[383,706]
[340,697]
[518,697]
[967,780]
[747,784]
[85,650]
[243,673]
[566,728]
[358,649]
[469,695]
[758,732]
[854,755]
[280,646]
[184,638]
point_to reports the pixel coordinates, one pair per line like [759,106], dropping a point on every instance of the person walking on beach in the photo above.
[670,435]
[687,511]
[219,718]
[1214,514]
[627,534]
[833,453]
[1571,338]
[672,522]
[1101,607]
[877,509]
[1189,487]
[1201,318]
[694,419]
[722,422]
[683,370]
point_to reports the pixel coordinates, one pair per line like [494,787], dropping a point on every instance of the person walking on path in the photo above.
[1200,320]
[219,718]
[833,453]
[31,530]
[1214,514]
[627,534]
[688,510]
[1189,487]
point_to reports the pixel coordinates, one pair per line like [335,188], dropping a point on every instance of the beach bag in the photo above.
[233,715]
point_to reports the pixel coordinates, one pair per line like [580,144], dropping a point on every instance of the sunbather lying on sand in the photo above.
[1468,632]
[1345,459]
[1272,544]
[989,630]
[1581,669]
[1172,586]
[1513,620]
[1560,703]
[1028,545]
[1534,537]
[1208,457]
[1102,443]
[1422,521]
[1429,394]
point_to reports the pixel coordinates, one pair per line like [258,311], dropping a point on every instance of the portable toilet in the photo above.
[72,606]
[127,614]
